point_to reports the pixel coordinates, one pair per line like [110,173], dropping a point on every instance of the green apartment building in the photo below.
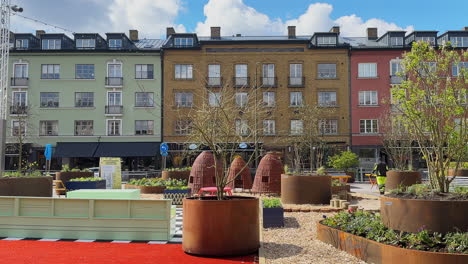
[89,97]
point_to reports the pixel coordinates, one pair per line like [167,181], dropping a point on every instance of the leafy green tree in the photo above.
[344,161]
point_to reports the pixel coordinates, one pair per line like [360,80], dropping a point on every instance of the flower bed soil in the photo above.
[431,196]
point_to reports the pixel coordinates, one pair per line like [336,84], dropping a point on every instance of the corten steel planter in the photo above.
[305,189]
[203,172]
[410,215]
[338,189]
[378,253]
[146,189]
[221,228]
[396,179]
[26,186]
[458,172]
[243,179]
[78,185]
[268,175]
[273,217]
[178,175]
[66,176]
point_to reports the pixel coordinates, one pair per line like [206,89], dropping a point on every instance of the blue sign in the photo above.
[164,147]
[48,151]
[242,145]
[164,153]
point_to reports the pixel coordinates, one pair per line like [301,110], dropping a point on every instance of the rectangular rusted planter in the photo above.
[26,186]
[273,217]
[146,189]
[378,253]
[66,176]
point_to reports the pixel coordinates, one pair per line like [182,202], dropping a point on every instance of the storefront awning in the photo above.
[106,149]
[75,149]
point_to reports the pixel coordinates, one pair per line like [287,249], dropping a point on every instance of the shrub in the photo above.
[321,171]
[344,161]
[271,203]
[17,174]
[179,169]
[337,183]
[84,179]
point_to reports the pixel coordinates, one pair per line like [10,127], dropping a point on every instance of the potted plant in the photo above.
[432,104]
[68,173]
[147,185]
[85,183]
[273,213]
[176,190]
[182,173]
[31,183]
[345,161]
[337,187]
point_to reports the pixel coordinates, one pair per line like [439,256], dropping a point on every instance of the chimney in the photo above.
[291,32]
[335,29]
[215,32]
[169,31]
[39,33]
[133,33]
[465,29]
[372,33]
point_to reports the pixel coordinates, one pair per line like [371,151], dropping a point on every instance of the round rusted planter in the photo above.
[178,175]
[396,179]
[203,173]
[410,215]
[221,228]
[243,179]
[375,252]
[146,189]
[458,172]
[353,176]
[338,189]
[27,186]
[68,175]
[305,189]
[268,175]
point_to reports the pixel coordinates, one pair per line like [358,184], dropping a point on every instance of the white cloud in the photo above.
[233,16]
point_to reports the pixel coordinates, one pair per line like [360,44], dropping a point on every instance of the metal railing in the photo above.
[214,81]
[394,79]
[114,109]
[269,82]
[114,81]
[240,82]
[18,109]
[17,81]
[296,81]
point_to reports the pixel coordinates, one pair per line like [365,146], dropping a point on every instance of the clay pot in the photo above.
[179,175]
[396,179]
[268,176]
[203,172]
[221,228]
[459,172]
[305,189]
[243,179]
[27,186]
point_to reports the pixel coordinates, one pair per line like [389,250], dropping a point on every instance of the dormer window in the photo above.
[115,43]
[22,43]
[396,41]
[85,43]
[459,41]
[51,44]
[430,40]
[326,40]
[183,42]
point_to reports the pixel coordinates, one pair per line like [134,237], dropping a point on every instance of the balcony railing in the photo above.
[16,81]
[269,82]
[114,109]
[18,109]
[328,104]
[296,81]
[395,79]
[214,81]
[114,81]
[240,82]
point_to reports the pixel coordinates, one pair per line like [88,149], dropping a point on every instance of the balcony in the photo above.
[214,81]
[296,81]
[395,79]
[241,82]
[18,110]
[19,82]
[114,109]
[269,82]
[114,81]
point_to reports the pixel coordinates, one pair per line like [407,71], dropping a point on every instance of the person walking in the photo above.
[380,170]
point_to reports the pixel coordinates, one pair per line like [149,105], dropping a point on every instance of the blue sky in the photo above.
[249,17]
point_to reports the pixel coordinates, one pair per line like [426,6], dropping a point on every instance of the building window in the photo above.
[269,127]
[328,126]
[368,126]
[326,71]
[84,99]
[84,128]
[114,98]
[184,99]
[20,71]
[214,99]
[51,44]
[144,99]
[144,127]
[183,42]
[84,71]
[268,75]
[242,99]
[49,100]
[241,75]
[297,127]
[327,99]
[18,128]
[85,43]
[19,99]
[50,71]
[396,41]
[115,43]
[183,127]
[114,70]
[144,71]
[295,74]
[269,99]
[395,67]
[456,68]
[367,70]
[326,40]
[114,127]
[48,128]
[22,43]
[368,98]
[295,99]
[242,127]
[430,40]
[459,41]
[214,74]
[426,68]
[183,71]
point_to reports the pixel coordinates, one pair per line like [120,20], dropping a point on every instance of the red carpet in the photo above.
[43,252]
